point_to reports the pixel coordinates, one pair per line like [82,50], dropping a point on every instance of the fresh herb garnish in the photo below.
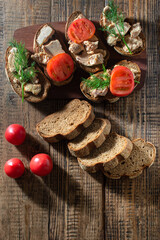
[136,81]
[23,71]
[117,18]
[100,82]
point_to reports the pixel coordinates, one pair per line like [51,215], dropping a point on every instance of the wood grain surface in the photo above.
[70,204]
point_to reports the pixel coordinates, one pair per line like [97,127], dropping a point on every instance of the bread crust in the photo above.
[136,172]
[71,134]
[37,49]
[92,69]
[113,162]
[17,88]
[109,97]
[35,44]
[97,142]
[118,47]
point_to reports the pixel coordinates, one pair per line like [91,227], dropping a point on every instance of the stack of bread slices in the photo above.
[92,143]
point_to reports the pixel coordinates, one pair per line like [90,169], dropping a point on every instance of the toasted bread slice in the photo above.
[17,87]
[111,98]
[108,155]
[48,35]
[142,156]
[37,47]
[136,52]
[66,123]
[92,137]
[94,68]
[119,46]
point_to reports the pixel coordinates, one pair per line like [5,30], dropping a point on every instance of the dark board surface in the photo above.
[72,90]
[70,204]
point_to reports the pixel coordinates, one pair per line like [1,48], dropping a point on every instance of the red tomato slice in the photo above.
[60,67]
[122,81]
[80,30]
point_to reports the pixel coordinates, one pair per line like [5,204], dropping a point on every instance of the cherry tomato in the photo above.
[122,81]
[41,164]
[14,168]
[81,30]
[60,67]
[15,134]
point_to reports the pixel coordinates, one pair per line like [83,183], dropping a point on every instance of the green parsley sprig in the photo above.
[118,19]
[100,82]
[23,71]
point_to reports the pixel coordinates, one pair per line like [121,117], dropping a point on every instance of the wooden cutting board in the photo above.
[72,90]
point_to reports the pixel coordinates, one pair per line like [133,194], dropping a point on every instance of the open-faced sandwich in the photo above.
[50,53]
[26,78]
[85,46]
[110,84]
[125,35]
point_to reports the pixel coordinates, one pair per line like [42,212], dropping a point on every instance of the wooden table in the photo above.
[69,203]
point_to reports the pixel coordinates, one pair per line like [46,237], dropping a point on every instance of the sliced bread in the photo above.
[92,137]
[142,156]
[66,123]
[108,155]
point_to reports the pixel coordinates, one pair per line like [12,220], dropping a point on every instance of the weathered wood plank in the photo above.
[131,205]
[24,202]
[81,210]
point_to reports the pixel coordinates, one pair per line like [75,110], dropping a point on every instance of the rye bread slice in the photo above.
[115,149]
[36,48]
[92,137]
[119,46]
[142,156]
[17,87]
[109,96]
[66,123]
[101,45]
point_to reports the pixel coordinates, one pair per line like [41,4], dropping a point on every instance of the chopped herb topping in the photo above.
[23,71]
[115,16]
[100,82]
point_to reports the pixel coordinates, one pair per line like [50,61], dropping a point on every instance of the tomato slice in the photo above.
[60,67]
[122,81]
[80,30]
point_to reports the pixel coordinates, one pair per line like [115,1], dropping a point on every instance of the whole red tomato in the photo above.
[15,134]
[14,168]
[41,164]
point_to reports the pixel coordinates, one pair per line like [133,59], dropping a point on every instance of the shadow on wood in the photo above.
[31,147]
[45,190]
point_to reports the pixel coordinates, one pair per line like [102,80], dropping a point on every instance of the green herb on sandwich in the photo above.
[100,82]
[117,18]
[136,81]
[24,71]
